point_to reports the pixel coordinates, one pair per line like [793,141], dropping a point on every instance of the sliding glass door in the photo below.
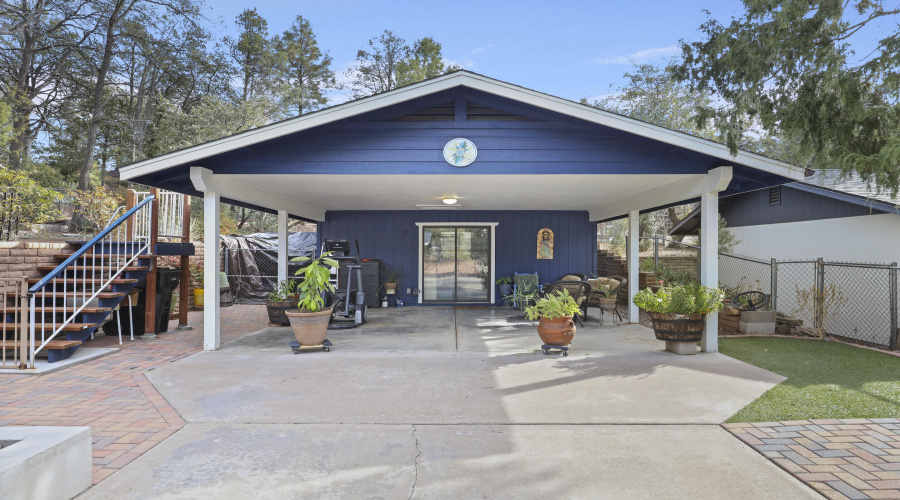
[456,264]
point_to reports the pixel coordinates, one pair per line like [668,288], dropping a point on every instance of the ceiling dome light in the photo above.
[449,201]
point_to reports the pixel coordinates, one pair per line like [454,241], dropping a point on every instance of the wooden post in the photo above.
[129,223]
[184,286]
[150,290]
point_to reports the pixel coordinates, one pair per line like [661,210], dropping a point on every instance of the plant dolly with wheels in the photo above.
[296,347]
[564,348]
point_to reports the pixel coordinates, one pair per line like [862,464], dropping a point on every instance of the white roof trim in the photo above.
[445,82]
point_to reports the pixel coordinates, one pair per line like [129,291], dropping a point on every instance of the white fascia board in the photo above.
[715,181]
[474,81]
[205,181]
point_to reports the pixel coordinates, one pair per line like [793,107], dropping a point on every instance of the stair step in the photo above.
[60,309]
[101,295]
[71,327]
[64,256]
[99,268]
[52,345]
[90,281]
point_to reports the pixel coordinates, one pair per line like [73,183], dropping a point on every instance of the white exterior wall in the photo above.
[870,238]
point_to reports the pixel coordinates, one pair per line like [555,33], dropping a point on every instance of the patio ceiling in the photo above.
[474,192]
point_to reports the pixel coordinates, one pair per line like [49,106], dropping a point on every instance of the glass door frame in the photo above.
[423,225]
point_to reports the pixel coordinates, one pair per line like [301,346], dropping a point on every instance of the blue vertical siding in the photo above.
[393,237]
[752,209]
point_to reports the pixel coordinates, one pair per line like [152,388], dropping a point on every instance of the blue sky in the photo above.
[571,49]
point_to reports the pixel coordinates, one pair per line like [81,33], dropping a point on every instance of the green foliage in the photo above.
[558,305]
[390,274]
[30,203]
[788,66]
[283,290]
[390,63]
[727,239]
[315,282]
[681,299]
[824,380]
[195,267]
[505,280]
[604,290]
[520,298]
[646,265]
[425,62]
[302,70]
[252,52]
[96,207]
[671,276]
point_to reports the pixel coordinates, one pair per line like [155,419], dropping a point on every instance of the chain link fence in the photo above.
[253,273]
[853,301]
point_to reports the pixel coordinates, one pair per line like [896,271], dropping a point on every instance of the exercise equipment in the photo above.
[348,301]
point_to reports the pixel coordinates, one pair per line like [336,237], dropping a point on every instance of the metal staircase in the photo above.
[54,314]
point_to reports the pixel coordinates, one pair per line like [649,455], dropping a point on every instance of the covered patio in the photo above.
[453,402]
[376,170]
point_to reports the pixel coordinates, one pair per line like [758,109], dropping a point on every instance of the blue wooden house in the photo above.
[454,181]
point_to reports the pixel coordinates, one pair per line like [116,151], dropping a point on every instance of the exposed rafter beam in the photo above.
[205,180]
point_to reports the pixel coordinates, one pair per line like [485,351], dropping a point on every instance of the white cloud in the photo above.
[479,50]
[639,56]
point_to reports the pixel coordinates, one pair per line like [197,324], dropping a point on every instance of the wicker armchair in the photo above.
[578,290]
[593,298]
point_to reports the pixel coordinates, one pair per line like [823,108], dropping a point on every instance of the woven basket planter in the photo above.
[672,327]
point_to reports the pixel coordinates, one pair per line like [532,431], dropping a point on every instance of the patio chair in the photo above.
[578,290]
[573,277]
[593,299]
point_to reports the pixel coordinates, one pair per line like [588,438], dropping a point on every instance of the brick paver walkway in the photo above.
[855,458]
[111,394]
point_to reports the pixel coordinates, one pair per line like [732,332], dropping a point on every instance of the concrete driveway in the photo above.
[436,402]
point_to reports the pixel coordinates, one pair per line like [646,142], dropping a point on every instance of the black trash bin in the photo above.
[167,279]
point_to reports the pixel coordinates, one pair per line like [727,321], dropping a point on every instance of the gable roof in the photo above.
[467,79]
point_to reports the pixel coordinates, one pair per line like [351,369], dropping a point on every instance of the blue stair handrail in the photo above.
[87,246]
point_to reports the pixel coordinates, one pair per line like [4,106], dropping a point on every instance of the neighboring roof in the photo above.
[688,225]
[853,185]
[830,183]
[459,78]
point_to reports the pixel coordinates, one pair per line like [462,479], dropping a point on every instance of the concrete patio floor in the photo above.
[438,402]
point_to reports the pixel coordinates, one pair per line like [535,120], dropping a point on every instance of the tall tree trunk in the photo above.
[84,179]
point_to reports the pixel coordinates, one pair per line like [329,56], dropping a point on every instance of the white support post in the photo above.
[211,265]
[634,240]
[282,245]
[709,263]
[717,181]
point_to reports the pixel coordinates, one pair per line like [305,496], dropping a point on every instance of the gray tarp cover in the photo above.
[247,265]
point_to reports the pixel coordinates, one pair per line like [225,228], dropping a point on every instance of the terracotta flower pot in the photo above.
[309,328]
[556,331]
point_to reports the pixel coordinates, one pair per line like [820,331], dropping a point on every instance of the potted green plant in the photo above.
[517,299]
[390,279]
[282,299]
[505,285]
[554,314]
[607,301]
[679,312]
[310,320]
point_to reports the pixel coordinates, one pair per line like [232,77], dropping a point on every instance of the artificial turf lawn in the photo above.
[824,380]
